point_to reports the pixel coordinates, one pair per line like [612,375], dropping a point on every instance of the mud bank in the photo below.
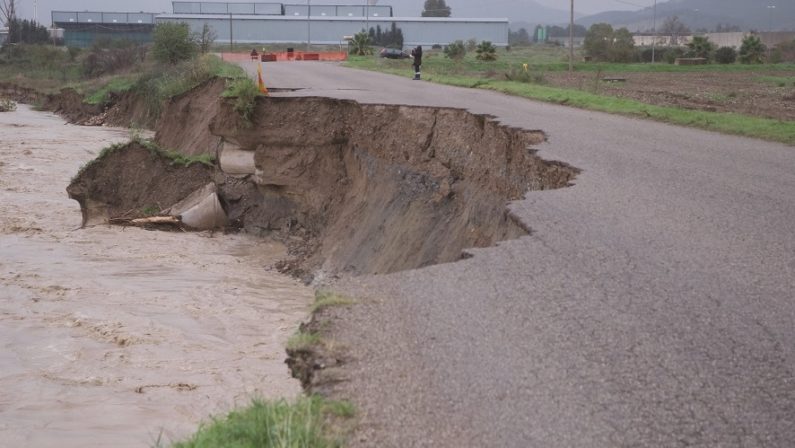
[358,189]
[121,110]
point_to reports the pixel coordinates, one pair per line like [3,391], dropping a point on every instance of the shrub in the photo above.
[602,43]
[752,50]
[206,38]
[360,44]
[7,105]
[486,51]
[101,61]
[525,75]
[456,51]
[700,47]
[472,45]
[726,55]
[671,54]
[787,50]
[173,42]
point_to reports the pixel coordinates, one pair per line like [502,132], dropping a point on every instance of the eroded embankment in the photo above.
[362,189]
[124,110]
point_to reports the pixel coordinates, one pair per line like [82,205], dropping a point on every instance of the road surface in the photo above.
[652,305]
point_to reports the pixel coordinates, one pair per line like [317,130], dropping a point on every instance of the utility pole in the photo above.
[231,41]
[571,39]
[770,9]
[654,31]
[308,24]
[367,16]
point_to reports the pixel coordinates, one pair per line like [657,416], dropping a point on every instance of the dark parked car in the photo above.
[393,53]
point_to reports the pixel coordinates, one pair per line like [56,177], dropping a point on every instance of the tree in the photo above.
[602,43]
[623,46]
[674,28]
[206,38]
[456,51]
[559,31]
[752,51]
[360,44]
[436,8]
[598,40]
[726,55]
[173,42]
[27,32]
[8,14]
[700,47]
[521,37]
[8,11]
[486,51]
[392,38]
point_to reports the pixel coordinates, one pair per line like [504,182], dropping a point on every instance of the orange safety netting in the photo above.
[285,56]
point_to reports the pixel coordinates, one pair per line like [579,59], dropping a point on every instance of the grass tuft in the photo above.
[307,422]
[327,299]
[245,93]
[303,341]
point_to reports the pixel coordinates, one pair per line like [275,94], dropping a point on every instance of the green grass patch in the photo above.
[115,85]
[245,93]
[310,422]
[780,81]
[730,123]
[303,341]
[328,299]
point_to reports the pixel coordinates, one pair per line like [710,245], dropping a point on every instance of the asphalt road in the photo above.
[652,305]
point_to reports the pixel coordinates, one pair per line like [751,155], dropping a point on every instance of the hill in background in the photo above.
[705,14]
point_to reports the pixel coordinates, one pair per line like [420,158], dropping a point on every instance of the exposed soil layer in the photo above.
[360,189]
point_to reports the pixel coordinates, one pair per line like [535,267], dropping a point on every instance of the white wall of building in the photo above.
[331,30]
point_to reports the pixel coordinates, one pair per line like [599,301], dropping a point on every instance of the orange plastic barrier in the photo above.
[332,56]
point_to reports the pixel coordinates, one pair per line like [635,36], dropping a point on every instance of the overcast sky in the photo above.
[401,7]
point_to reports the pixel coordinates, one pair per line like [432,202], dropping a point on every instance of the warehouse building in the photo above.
[82,29]
[254,22]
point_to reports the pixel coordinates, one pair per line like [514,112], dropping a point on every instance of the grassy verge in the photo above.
[115,85]
[307,422]
[730,123]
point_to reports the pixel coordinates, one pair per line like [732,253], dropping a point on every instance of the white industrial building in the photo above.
[250,22]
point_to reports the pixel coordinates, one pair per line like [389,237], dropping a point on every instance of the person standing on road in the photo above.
[417,55]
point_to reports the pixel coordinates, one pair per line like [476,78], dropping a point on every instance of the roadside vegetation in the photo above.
[308,422]
[175,63]
[748,94]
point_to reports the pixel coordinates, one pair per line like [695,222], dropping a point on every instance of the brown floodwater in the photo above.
[115,336]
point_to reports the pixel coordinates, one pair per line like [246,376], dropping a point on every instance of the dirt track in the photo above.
[109,335]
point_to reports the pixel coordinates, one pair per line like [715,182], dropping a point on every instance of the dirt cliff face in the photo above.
[129,180]
[360,189]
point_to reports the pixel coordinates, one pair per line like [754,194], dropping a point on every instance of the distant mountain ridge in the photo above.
[706,14]
[515,10]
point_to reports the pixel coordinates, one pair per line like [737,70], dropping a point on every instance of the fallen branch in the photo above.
[152,220]
[156,220]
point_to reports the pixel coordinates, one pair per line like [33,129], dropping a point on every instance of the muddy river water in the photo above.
[116,336]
